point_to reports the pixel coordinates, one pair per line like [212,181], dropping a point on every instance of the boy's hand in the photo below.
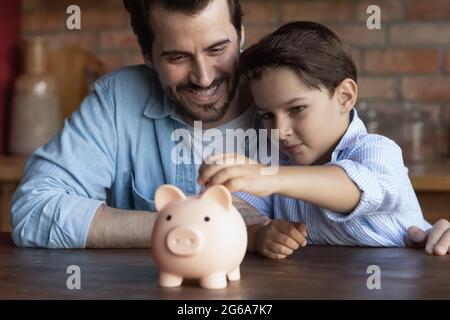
[279,238]
[435,240]
[236,173]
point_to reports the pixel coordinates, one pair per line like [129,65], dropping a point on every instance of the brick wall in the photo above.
[407,61]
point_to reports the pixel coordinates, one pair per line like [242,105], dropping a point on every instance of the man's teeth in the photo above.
[208,92]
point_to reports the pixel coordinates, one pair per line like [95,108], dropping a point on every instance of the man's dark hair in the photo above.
[310,49]
[139,11]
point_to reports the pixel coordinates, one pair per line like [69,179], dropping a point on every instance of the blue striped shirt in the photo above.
[388,205]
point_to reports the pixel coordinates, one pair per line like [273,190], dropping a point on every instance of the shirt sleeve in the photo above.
[263,204]
[377,169]
[66,180]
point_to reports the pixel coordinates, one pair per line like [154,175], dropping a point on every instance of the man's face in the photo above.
[196,59]
[310,121]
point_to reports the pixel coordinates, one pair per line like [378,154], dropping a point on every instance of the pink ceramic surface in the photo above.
[202,237]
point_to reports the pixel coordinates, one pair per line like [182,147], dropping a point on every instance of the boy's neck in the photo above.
[327,156]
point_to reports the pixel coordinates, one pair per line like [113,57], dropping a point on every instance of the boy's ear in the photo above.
[347,94]
[241,44]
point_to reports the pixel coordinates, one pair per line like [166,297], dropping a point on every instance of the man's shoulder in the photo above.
[130,80]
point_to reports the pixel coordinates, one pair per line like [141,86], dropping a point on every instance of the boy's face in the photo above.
[311,123]
[196,58]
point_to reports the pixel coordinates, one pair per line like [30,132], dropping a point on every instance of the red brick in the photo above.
[423,88]
[30,5]
[43,21]
[359,35]
[320,11]
[427,10]
[259,12]
[111,60]
[104,18]
[370,87]
[447,61]
[420,33]
[357,58]
[253,34]
[390,9]
[76,38]
[118,40]
[401,60]
[135,57]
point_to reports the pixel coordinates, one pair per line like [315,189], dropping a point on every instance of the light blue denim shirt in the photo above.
[388,204]
[115,149]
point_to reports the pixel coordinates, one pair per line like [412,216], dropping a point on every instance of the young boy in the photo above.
[349,187]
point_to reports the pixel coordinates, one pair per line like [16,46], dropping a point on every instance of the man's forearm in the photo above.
[116,228]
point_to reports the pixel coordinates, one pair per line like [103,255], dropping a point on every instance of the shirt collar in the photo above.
[355,128]
[159,105]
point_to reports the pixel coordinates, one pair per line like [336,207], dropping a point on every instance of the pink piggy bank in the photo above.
[201,237]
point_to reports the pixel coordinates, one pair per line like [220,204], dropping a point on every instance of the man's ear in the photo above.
[241,44]
[148,61]
[346,93]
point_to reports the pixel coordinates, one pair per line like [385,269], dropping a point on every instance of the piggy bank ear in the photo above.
[220,195]
[166,194]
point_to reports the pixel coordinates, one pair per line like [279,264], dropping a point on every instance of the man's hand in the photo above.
[279,238]
[236,173]
[436,240]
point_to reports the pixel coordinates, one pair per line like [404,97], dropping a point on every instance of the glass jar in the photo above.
[420,142]
[35,113]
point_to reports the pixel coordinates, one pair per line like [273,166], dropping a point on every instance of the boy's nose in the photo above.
[284,130]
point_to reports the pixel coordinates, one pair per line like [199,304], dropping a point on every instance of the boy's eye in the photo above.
[297,109]
[267,116]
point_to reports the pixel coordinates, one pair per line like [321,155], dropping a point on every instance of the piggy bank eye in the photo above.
[168,217]
[206,219]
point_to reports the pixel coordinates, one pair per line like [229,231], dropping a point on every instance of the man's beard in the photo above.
[210,112]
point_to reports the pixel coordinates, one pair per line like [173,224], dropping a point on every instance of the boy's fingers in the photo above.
[277,248]
[302,228]
[443,245]
[285,240]
[209,171]
[416,237]
[276,256]
[436,233]
[290,230]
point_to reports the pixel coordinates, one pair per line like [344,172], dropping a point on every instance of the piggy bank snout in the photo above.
[184,241]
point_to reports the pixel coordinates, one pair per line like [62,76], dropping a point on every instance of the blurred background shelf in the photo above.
[430,181]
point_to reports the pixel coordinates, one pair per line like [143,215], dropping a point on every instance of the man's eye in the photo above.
[297,109]
[217,51]
[177,59]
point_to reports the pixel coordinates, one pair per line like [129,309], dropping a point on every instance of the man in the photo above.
[117,147]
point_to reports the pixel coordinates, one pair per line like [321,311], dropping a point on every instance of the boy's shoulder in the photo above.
[370,144]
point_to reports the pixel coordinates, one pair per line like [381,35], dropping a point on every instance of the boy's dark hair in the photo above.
[310,49]
[139,11]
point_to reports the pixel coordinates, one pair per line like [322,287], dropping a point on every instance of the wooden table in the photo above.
[315,272]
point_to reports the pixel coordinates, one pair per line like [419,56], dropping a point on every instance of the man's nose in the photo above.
[202,73]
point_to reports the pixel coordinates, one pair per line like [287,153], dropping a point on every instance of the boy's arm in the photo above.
[325,186]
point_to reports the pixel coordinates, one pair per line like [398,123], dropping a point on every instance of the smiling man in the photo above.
[93,184]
